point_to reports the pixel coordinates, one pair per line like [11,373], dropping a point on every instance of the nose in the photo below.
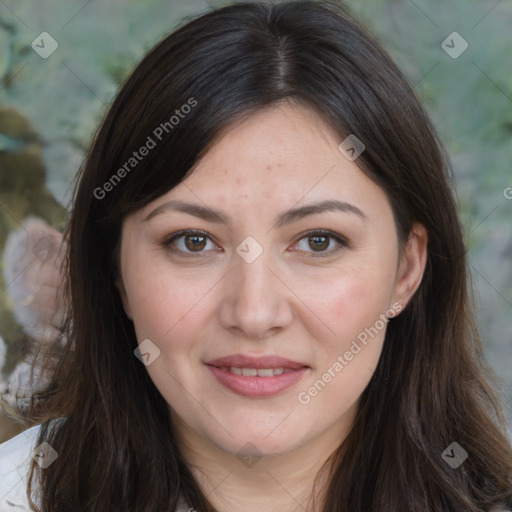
[256,301]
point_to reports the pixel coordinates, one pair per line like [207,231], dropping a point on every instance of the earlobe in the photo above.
[412,265]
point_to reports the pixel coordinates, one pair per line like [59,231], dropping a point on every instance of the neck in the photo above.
[281,482]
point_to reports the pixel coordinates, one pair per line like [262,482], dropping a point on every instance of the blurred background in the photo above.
[62,62]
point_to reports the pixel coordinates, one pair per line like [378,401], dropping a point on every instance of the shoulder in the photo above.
[15,459]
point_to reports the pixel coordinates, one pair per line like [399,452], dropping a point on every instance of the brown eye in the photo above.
[188,243]
[319,241]
[195,242]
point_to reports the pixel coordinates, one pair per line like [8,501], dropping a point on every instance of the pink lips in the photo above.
[256,386]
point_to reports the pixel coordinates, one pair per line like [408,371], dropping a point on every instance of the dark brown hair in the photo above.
[116,443]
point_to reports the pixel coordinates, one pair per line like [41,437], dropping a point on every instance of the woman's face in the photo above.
[261,281]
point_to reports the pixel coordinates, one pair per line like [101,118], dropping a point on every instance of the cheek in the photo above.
[162,307]
[353,300]
[167,311]
[351,308]
[351,304]
[162,299]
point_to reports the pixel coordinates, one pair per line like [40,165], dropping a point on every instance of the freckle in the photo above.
[269,167]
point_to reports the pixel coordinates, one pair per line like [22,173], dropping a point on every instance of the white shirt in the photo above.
[15,460]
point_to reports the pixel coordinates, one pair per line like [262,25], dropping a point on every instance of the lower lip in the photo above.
[257,387]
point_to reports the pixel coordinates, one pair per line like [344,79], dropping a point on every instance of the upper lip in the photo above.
[244,361]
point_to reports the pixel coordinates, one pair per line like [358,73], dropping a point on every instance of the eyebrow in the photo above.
[281,220]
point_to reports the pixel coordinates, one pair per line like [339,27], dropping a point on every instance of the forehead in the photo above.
[276,137]
[286,147]
[273,160]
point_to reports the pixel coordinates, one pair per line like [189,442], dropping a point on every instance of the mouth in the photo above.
[253,372]
[257,377]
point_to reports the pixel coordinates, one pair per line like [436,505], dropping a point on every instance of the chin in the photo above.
[248,442]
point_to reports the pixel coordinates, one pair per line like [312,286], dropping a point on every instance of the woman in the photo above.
[267,297]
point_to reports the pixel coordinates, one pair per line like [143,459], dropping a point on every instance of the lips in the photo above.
[255,376]
[245,361]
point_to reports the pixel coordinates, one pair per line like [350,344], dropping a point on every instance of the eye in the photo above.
[319,241]
[187,242]
[190,242]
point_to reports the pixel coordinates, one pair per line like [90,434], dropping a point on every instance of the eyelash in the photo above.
[167,243]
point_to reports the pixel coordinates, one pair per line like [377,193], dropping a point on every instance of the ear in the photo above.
[412,265]
[124,299]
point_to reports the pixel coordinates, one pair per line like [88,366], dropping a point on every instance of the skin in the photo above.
[286,302]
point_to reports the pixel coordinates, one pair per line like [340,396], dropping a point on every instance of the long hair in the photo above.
[117,445]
